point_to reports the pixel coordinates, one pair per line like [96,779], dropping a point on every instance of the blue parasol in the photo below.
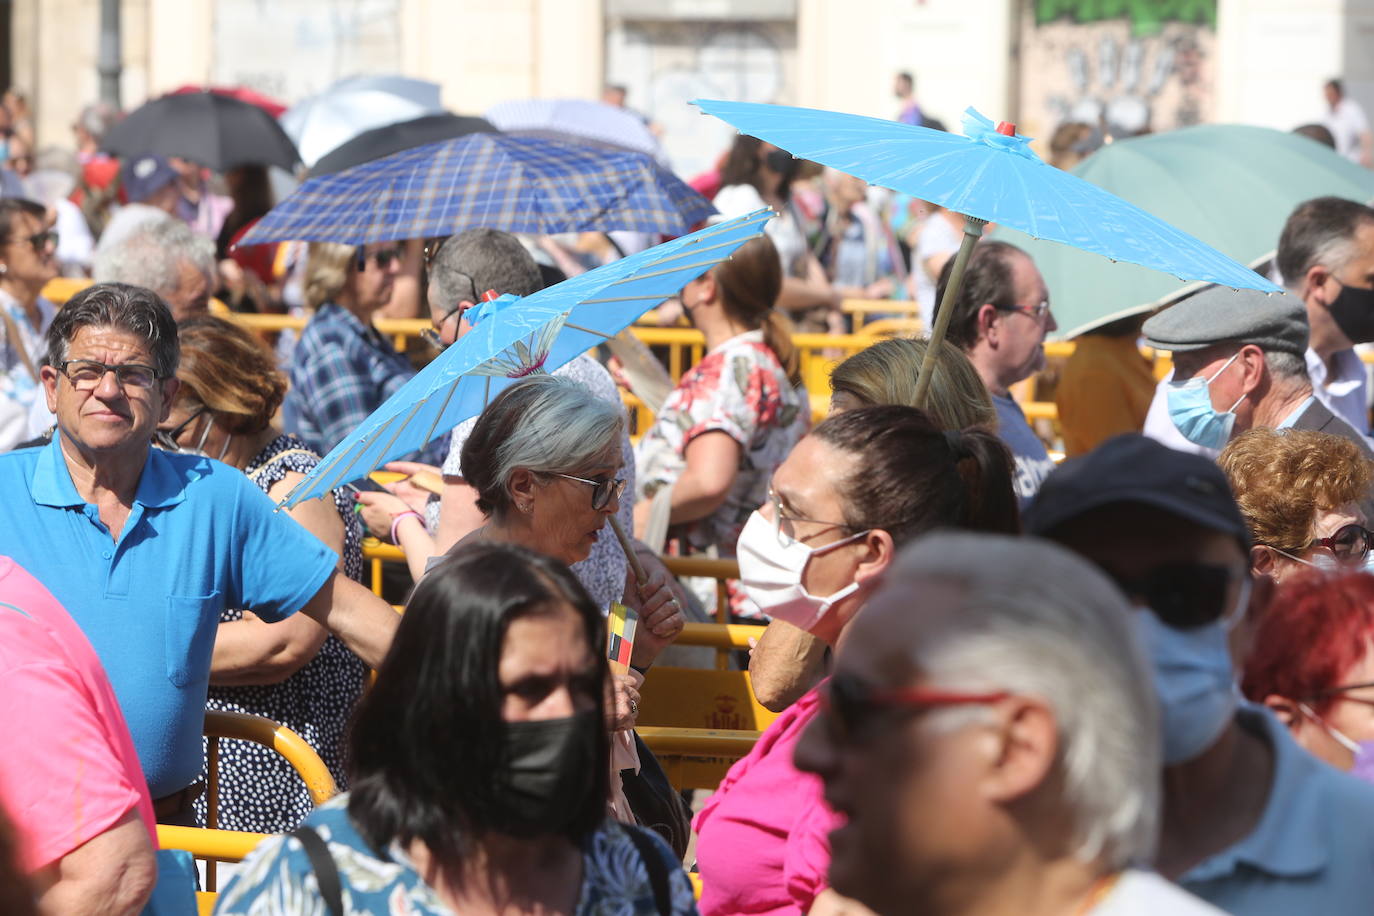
[513,338]
[989,175]
[516,184]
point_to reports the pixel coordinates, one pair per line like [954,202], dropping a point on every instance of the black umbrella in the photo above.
[392,138]
[213,130]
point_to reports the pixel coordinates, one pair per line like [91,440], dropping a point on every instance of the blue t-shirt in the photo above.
[200,537]
[1313,848]
[1033,463]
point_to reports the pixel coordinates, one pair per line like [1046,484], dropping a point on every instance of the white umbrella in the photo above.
[353,105]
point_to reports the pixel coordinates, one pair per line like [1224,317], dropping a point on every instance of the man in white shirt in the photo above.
[1348,125]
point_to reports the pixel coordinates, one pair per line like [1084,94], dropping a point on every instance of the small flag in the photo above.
[620,636]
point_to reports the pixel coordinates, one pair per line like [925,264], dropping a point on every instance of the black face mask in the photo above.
[782,162]
[1353,312]
[549,772]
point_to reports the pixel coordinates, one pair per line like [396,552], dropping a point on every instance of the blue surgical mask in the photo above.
[1193,678]
[1190,407]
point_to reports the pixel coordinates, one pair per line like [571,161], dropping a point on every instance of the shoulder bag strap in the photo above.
[326,870]
[653,864]
[12,335]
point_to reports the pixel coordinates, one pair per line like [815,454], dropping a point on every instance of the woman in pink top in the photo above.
[861,485]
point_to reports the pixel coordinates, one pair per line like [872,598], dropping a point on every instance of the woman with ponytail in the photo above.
[862,485]
[704,465]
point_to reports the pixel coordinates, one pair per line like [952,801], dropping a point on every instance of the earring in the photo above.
[4,269]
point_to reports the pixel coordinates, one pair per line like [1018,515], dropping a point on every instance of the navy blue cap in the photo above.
[145,175]
[1134,469]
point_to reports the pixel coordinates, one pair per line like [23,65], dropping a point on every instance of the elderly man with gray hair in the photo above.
[991,736]
[1239,363]
[460,272]
[165,256]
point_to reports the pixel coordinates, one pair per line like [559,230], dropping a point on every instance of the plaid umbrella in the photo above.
[517,184]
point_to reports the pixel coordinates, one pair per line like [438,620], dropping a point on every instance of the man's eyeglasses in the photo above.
[1350,542]
[39,240]
[431,335]
[602,490]
[854,706]
[166,439]
[1034,312]
[86,374]
[1182,595]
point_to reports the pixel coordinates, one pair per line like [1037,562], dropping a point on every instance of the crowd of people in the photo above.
[1134,679]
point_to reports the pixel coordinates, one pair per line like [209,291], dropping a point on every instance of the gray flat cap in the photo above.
[1274,321]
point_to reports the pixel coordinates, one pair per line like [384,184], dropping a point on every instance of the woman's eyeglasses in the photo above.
[854,706]
[383,259]
[166,439]
[1350,542]
[39,240]
[602,490]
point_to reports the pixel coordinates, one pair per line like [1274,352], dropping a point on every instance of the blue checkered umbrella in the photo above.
[513,338]
[517,184]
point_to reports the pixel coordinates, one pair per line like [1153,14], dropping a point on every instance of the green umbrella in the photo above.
[1229,185]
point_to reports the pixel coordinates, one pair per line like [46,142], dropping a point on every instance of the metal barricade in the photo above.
[215,845]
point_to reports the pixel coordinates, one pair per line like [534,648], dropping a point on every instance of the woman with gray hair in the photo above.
[990,739]
[545,461]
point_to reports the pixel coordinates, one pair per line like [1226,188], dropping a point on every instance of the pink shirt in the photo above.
[763,839]
[69,770]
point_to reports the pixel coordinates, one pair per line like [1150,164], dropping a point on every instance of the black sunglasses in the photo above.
[1182,595]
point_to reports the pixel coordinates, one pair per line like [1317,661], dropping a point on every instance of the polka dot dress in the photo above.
[258,789]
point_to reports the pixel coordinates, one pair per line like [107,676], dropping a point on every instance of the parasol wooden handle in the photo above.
[973,230]
[640,575]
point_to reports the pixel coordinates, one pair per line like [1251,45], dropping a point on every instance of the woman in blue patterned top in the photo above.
[292,672]
[480,766]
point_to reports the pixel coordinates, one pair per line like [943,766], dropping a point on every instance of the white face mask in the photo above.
[771,565]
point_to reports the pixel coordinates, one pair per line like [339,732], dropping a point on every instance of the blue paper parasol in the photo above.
[513,338]
[989,175]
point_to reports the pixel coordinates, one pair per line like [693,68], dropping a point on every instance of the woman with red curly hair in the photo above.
[1312,663]
[1301,493]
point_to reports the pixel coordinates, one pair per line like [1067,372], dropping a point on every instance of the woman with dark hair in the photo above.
[703,466]
[863,484]
[758,174]
[247,272]
[28,260]
[480,764]
[292,672]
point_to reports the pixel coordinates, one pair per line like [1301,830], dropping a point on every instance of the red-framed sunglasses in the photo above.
[854,705]
[1350,542]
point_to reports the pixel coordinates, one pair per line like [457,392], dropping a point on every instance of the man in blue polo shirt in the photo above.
[144,547]
[1252,823]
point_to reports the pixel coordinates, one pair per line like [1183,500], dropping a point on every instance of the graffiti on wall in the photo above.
[1124,66]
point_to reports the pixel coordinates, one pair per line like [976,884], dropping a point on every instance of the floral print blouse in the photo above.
[277,877]
[741,389]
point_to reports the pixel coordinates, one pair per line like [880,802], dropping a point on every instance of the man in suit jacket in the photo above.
[1239,362]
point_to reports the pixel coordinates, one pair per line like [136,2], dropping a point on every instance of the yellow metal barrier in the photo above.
[697,758]
[723,637]
[243,727]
